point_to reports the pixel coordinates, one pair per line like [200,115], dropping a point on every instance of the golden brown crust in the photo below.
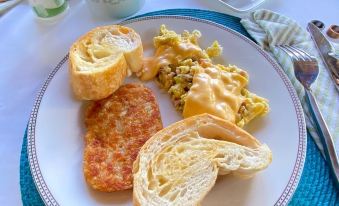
[117,127]
[239,136]
[89,85]
[96,77]
[174,161]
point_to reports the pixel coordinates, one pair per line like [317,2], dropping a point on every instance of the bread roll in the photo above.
[101,59]
[179,164]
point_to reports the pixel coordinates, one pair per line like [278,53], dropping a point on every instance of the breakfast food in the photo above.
[101,59]
[125,144]
[179,164]
[117,127]
[172,48]
[195,84]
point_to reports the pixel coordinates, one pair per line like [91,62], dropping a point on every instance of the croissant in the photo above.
[180,164]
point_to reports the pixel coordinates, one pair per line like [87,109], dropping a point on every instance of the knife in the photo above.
[327,53]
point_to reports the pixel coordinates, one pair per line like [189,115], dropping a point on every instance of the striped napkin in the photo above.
[270,29]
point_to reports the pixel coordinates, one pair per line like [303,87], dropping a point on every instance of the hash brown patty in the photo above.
[117,127]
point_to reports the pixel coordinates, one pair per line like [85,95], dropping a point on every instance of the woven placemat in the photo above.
[315,187]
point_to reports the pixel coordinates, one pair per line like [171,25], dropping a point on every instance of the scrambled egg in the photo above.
[195,84]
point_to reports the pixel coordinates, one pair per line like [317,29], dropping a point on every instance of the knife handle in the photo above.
[325,136]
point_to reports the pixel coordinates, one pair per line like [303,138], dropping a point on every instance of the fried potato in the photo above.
[117,127]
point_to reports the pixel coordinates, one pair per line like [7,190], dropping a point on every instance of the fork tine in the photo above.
[303,53]
[295,53]
[293,57]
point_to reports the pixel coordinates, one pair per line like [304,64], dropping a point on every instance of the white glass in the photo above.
[241,5]
[115,8]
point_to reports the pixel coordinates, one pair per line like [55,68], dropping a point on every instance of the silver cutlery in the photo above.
[324,47]
[306,71]
[318,24]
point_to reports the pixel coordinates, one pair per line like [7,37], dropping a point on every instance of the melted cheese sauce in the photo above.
[166,55]
[216,92]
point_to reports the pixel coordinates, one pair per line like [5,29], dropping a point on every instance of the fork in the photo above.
[306,71]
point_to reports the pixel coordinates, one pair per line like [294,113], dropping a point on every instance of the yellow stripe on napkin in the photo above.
[270,29]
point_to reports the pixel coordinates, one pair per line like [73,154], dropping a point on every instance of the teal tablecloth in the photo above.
[315,187]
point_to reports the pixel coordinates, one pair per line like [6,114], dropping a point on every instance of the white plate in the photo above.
[55,135]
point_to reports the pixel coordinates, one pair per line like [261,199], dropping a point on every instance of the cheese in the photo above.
[205,87]
[166,55]
[215,92]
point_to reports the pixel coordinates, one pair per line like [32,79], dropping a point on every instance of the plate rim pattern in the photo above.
[290,188]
